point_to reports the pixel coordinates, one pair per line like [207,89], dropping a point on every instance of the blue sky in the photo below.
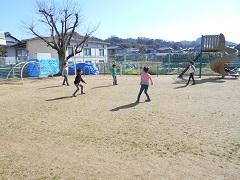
[172,20]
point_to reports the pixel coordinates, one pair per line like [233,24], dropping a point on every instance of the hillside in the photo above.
[153,43]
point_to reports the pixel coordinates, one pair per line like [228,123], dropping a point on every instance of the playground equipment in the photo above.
[215,43]
[17,70]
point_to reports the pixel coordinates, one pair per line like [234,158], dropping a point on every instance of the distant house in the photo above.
[165,50]
[236,62]
[191,49]
[238,49]
[132,50]
[113,50]
[150,50]
[15,47]
[93,51]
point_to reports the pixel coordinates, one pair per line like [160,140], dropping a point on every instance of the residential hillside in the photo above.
[153,43]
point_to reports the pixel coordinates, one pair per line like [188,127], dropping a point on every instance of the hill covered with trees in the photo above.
[152,43]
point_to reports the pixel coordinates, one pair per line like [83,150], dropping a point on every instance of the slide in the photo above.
[217,65]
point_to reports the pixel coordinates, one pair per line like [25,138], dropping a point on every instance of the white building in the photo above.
[2,38]
[93,51]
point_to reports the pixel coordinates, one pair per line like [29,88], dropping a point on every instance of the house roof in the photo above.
[114,47]
[164,48]
[76,37]
[7,34]
[19,45]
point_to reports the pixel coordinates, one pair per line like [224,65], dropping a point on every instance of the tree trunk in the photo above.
[61,58]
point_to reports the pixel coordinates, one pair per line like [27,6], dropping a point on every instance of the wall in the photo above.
[38,46]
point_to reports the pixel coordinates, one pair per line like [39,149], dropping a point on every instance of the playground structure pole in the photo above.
[104,70]
[124,60]
[200,66]
[120,69]
[75,67]
[169,56]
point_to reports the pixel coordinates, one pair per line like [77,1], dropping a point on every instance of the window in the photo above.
[101,61]
[101,52]
[87,51]
[70,50]
[21,52]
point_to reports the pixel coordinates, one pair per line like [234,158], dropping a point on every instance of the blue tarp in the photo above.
[86,67]
[51,64]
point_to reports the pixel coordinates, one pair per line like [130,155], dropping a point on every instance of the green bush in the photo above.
[154,71]
[131,71]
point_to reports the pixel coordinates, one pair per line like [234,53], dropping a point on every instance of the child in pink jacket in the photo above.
[145,78]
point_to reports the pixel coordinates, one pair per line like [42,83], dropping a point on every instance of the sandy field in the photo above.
[185,133]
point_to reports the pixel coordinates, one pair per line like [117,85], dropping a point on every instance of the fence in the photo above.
[160,64]
[7,63]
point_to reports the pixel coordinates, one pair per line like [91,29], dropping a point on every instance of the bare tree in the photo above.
[60,22]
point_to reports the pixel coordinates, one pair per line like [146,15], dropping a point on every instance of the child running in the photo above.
[77,81]
[145,77]
[191,70]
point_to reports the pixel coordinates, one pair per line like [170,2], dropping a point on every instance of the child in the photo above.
[145,77]
[226,69]
[65,74]
[77,81]
[191,70]
[114,74]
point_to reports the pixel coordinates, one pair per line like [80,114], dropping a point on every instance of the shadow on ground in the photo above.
[131,105]
[101,87]
[51,87]
[59,98]
[183,81]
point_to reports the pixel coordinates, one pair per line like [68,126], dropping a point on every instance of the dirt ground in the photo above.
[186,133]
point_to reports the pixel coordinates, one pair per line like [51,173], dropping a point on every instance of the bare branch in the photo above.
[51,44]
[73,29]
[59,24]
[81,45]
[52,22]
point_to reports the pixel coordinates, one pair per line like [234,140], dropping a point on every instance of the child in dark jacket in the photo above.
[77,81]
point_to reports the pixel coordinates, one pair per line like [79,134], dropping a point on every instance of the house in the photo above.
[132,50]
[236,62]
[113,50]
[150,50]
[93,51]
[165,50]
[15,47]
[237,47]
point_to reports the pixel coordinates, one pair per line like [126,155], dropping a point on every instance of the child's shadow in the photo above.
[59,98]
[125,106]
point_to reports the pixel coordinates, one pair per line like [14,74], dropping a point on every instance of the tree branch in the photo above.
[51,44]
[81,44]
[73,29]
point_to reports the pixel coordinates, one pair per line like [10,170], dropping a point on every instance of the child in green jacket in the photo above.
[114,74]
